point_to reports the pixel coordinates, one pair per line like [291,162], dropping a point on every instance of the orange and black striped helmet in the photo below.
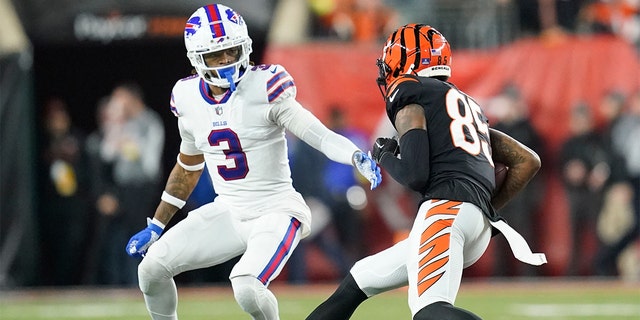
[416,49]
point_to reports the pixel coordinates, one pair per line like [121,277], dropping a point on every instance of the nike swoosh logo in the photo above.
[378,145]
[393,96]
[274,69]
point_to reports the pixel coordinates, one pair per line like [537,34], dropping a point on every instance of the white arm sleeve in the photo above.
[290,114]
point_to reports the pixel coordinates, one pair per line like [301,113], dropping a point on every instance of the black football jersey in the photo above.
[459,147]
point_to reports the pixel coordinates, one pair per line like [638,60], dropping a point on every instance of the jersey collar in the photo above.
[206,95]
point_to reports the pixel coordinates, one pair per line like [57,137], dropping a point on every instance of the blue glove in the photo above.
[141,241]
[367,168]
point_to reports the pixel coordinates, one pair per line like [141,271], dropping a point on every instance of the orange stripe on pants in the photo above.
[435,245]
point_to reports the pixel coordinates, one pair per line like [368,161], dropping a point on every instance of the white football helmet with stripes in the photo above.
[215,28]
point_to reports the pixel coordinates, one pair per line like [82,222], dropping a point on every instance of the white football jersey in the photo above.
[243,146]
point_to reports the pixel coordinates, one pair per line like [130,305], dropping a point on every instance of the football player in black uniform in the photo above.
[444,153]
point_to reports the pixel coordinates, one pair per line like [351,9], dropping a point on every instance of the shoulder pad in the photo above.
[278,82]
[181,86]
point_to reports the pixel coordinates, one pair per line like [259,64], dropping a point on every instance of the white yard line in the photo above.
[575,310]
[80,311]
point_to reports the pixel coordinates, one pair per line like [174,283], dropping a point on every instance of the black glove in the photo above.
[384,145]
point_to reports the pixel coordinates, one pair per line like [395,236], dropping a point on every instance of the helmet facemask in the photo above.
[224,76]
[383,73]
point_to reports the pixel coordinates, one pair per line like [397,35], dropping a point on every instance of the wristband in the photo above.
[158,223]
[196,167]
[166,197]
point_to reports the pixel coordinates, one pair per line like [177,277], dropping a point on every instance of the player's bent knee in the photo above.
[151,271]
[254,297]
[444,310]
[245,290]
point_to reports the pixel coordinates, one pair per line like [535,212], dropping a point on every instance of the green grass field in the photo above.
[539,299]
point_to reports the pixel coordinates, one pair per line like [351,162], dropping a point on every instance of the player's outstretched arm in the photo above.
[290,114]
[523,164]
[181,182]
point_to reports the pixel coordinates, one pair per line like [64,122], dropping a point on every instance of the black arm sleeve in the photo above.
[412,169]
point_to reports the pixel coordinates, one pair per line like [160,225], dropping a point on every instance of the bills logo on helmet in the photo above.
[233,17]
[192,26]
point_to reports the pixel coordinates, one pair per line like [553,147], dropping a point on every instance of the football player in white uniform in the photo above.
[232,117]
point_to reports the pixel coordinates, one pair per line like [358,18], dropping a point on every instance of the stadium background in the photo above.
[80,51]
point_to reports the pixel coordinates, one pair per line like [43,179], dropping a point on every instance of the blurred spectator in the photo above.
[129,164]
[345,196]
[511,115]
[618,17]
[417,11]
[540,16]
[336,199]
[528,17]
[352,20]
[103,260]
[617,190]
[545,17]
[624,137]
[322,14]
[63,214]
[307,167]
[595,17]
[566,13]
[585,170]
[611,108]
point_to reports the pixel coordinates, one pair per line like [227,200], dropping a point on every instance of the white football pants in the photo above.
[447,236]
[211,235]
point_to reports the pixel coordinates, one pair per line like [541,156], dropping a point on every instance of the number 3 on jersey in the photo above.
[233,152]
[476,129]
